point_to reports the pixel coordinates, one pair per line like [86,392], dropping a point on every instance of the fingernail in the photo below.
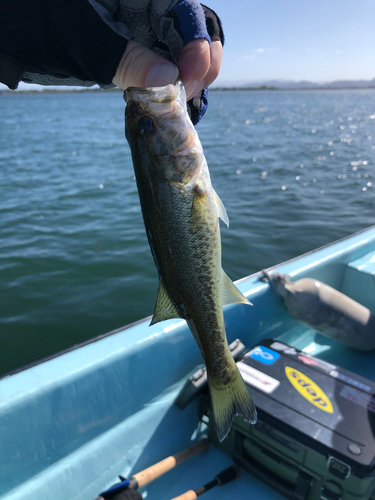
[160,74]
[193,88]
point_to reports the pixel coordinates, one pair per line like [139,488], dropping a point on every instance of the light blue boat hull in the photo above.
[70,425]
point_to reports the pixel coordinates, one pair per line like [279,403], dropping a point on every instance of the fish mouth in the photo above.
[157,95]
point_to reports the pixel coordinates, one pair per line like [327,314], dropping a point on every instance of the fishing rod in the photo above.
[127,487]
[224,477]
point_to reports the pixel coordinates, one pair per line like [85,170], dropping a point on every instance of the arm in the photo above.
[81,42]
[59,42]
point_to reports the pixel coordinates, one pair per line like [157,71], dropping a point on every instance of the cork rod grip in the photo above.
[151,473]
[189,495]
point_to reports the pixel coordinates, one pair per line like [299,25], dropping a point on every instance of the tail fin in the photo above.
[228,401]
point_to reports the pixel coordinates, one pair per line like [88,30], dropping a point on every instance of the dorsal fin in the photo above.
[164,308]
[221,212]
[231,294]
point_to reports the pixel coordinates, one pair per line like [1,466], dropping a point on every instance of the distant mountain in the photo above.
[221,84]
[351,83]
[291,84]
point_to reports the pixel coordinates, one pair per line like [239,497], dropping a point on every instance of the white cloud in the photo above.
[255,52]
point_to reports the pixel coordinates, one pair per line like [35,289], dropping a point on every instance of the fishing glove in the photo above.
[80,42]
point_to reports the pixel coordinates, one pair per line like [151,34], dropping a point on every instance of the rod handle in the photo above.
[188,495]
[151,473]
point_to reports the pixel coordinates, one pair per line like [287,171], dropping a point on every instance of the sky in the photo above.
[315,40]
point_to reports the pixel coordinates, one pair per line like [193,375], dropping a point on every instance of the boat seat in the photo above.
[359,280]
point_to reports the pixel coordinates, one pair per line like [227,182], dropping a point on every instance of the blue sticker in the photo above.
[264,355]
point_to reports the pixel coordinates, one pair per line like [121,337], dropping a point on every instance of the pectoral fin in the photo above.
[231,294]
[221,212]
[164,308]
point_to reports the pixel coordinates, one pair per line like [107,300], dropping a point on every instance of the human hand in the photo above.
[198,66]
[185,33]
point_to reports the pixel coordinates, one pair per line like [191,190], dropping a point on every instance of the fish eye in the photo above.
[146,125]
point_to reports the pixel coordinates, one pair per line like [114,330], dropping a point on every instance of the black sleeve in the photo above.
[60,38]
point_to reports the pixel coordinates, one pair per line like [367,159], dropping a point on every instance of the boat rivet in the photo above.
[354,449]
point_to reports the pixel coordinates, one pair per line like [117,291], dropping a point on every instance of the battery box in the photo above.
[314,438]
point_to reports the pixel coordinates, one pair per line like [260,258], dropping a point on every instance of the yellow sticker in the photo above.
[308,389]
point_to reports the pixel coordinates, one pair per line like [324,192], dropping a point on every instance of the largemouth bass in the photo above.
[180,211]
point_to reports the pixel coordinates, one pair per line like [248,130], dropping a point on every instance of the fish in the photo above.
[181,214]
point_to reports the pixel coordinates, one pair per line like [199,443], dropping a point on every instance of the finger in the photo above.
[198,66]
[216,53]
[193,64]
[141,67]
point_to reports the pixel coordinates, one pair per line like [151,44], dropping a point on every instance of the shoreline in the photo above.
[214,89]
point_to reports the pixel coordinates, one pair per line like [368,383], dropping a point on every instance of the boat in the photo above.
[72,423]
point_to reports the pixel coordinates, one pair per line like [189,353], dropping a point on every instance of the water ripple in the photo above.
[295,170]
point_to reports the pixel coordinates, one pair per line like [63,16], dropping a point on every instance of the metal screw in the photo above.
[354,449]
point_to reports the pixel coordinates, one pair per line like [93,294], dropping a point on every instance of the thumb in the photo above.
[141,67]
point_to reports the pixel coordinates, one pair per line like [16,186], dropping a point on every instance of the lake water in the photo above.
[295,170]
